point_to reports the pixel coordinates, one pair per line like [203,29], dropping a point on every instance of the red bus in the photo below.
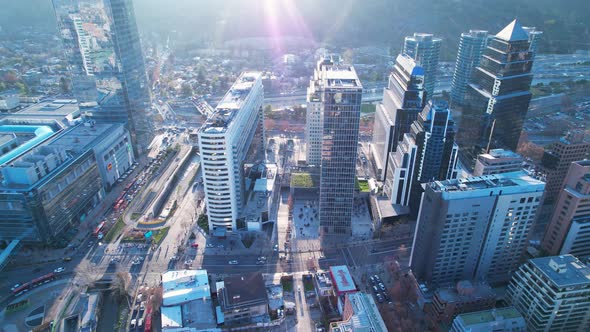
[98,229]
[33,283]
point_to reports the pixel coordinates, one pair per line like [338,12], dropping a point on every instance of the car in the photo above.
[260,263]
[375,289]
[372,279]
[261,258]
[276,247]
[380,298]
[210,245]
[373,250]
[221,246]
[140,322]
[59,270]
[233,262]
[142,305]
[67,259]
[133,323]
[194,245]
[15,287]
[382,286]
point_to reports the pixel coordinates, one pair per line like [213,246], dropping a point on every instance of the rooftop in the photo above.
[243,290]
[365,315]
[465,291]
[564,271]
[422,37]
[489,316]
[501,153]
[505,180]
[342,279]
[184,286]
[513,32]
[232,102]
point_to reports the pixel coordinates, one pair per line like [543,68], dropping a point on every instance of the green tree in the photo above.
[64,86]
[186,90]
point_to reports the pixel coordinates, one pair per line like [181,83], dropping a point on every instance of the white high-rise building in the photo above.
[232,136]
[474,228]
[471,47]
[552,294]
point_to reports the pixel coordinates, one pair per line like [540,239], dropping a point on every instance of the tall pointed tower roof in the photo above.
[513,32]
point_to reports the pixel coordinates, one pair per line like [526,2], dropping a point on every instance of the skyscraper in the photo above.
[427,153]
[403,99]
[568,231]
[557,158]
[471,47]
[232,136]
[340,91]
[474,228]
[498,96]
[425,49]
[104,55]
[552,294]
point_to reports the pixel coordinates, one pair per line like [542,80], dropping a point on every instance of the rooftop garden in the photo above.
[302,180]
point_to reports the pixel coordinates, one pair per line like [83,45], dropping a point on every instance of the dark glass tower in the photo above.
[104,55]
[498,96]
[340,92]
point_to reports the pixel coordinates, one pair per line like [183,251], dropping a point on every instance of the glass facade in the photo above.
[498,97]
[471,48]
[342,105]
[425,49]
[43,212]
[104,55]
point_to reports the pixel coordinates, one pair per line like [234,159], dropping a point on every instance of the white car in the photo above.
[15,287]
[59,270]
[233,262]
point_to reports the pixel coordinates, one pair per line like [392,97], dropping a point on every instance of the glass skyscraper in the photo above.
[425,49]
[498,96]
[471,47]
[403,99]
[340,91]
[104,55]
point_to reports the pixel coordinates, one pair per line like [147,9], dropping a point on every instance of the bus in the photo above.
[34,283]
[98,229]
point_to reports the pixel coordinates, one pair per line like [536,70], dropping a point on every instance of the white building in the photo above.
[474,228]
[497,161]
[552,293]
[9,100]
[186,301]
[501,319]
[225,140]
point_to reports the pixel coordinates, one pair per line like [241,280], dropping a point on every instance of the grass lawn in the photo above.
[308,285]
[368,108]
[115,230]
[135,216]
[302,180]
[160,234]
[287,285]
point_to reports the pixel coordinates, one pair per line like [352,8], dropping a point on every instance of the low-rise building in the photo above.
[323,284]
[360,314]
[502,319]
[342,279]
[186,301]
[497,161]
[447,303]
[9,100]
[243,300]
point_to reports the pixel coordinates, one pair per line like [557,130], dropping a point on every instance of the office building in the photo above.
[242,299]
[55,177]
[339,90]
[568,231]
[403,99]
[498,96]
[474,228]
[535,38]
[471,47]
[425,49]
[360,313]
[426,154]
[186,301]
[506,319]
[552,294]
[497,161]
[557,159]
[230,138]
[465,296]
[104,56]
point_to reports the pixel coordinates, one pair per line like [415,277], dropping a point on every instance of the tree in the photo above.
[87,273]
[64,86]
[121,287]
[186,90]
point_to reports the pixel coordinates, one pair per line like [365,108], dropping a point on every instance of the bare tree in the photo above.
[87,273]
[121,287]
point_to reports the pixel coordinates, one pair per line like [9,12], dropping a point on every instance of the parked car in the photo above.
[233,262]
[59,270]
